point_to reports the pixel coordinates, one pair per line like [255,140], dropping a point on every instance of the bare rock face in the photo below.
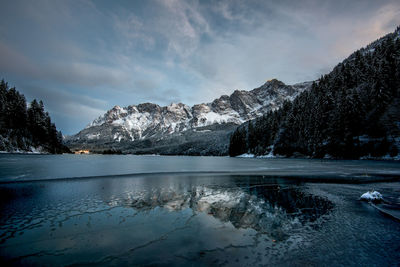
[121,127]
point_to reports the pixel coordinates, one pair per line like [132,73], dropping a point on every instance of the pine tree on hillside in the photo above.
[15,110]
[22,128]
[3,105]
[238,144]
[353,111]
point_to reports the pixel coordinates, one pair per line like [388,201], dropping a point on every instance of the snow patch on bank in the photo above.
[33,150]
[246,155]
[373,196]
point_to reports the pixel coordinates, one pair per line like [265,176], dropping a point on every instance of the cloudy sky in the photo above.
[82,57]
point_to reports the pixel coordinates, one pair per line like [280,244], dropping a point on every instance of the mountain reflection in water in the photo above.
[270,209]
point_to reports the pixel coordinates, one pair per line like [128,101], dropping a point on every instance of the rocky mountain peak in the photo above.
[146,120]
[274,83]
[148,107]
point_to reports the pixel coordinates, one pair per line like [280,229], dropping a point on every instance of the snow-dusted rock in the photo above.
[373,196]
[148,120]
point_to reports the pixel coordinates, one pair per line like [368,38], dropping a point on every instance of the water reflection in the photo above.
[157,220]
[272,209]
[193,220]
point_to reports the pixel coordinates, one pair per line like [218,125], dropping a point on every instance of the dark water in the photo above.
[188,218]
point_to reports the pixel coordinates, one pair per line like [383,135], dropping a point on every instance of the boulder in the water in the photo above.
[372,196]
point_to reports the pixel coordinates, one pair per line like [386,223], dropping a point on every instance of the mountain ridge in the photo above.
[206,129]
[148,120]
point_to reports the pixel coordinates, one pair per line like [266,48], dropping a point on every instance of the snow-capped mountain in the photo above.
[148,120]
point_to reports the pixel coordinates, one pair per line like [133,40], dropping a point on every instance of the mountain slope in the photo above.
[352,112]
[178,128]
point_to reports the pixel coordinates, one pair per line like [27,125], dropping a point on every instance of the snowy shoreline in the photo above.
[271,156]
[25,152]
[245,155]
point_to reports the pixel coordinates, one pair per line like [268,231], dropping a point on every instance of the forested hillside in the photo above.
[353,111]
[25,128]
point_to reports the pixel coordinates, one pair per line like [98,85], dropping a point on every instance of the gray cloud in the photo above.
[167,96]
[13,61]
[99,54]
[303,41]
[74,73]
[146,85]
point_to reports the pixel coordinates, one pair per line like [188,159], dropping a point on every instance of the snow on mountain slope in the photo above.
[138,122]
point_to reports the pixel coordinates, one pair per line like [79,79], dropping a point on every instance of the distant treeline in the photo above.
[112,152]
[351,112]
[25,128]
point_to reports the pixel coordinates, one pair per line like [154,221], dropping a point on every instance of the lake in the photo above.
[167,210]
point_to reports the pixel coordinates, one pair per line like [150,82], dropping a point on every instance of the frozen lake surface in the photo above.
[16,167]
[146,210]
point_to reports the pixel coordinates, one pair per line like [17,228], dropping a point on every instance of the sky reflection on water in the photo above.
[186,219]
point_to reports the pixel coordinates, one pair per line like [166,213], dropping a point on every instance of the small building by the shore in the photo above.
[83,151]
